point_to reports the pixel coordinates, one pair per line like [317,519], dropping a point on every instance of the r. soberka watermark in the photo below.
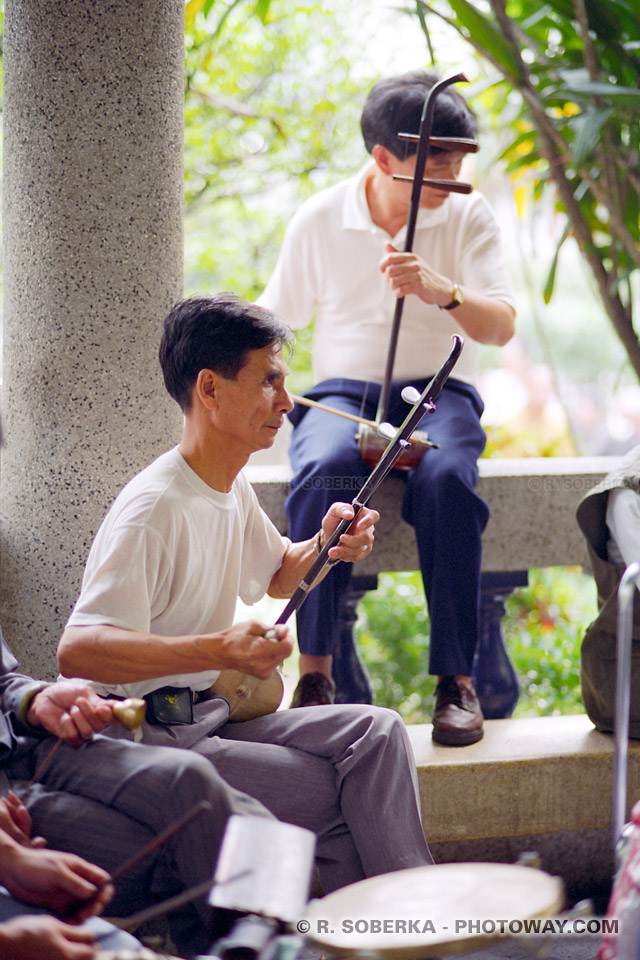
[461,927]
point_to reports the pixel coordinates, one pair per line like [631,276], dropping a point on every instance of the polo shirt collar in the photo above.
[356,215]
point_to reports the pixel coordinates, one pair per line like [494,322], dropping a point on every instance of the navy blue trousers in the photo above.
[440,503]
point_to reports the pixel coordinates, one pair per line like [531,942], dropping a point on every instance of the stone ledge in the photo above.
[526,777]
[532,501]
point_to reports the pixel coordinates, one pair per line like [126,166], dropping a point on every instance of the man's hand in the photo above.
[54,880]
[358,542]
[71,710]
[246,648]
[37,938]
[15,820]
[407,274]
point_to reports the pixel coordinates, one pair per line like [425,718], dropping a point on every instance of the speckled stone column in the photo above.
[93,121]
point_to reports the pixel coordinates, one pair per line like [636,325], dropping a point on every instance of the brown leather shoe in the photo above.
[457,718]
[313,690]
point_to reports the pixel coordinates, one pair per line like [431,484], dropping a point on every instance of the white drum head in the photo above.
[431,911]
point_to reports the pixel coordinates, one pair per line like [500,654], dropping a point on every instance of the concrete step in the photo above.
[528,776]
[542,784]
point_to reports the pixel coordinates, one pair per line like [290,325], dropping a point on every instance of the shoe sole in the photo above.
[457,740]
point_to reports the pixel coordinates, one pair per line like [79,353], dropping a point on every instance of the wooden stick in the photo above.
[456,144]
[43,764]
[160,840]
[172,903]
[323,406]
[160,909]
[351,416]
[143,853]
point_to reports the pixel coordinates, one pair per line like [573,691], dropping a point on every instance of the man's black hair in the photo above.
[395,106]
[214,333]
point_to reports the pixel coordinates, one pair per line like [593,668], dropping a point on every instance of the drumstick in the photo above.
[158,841]
[351,416]
[43,764]
[159,909]
[144,852]
[172,903]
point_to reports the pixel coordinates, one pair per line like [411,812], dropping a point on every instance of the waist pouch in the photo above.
[170,705]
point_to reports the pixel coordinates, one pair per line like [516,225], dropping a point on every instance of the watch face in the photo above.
[457,298]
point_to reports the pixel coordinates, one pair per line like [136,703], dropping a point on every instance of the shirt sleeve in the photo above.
[264,549]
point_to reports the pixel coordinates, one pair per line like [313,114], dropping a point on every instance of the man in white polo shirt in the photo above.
[342,264]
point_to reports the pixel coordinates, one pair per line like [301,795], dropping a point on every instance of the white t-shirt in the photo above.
[329,267]
[172,556]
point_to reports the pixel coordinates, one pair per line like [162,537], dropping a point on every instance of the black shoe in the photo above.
[457,718]
[313,690]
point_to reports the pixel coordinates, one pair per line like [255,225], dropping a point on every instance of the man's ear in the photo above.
[383,159]
[205,388]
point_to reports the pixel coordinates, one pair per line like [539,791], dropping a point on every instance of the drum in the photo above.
[371,446]
[247,696]
[431,911]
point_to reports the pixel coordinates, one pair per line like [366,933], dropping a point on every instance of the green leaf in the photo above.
[421,9]
[262,9]
[588,127]
[487,35]
[547,293]
[607,90]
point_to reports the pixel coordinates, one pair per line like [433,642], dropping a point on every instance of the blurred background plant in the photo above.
[543,628]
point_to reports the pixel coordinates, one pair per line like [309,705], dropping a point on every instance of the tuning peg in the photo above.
[410,395]
[386,431]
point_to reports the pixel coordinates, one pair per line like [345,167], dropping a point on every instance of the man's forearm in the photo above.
[296,562]
[112,655]
[485,320]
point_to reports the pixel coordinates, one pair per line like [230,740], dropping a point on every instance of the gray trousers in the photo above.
[345,772]
[107,799]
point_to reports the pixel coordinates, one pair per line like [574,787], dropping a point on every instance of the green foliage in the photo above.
[543,626]
[565,97]
[270,93]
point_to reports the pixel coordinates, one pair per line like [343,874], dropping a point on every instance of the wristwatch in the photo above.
[457,296]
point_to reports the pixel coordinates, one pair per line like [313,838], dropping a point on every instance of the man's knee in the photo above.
[379,724]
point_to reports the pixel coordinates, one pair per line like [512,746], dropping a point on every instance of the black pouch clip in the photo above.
[170,705]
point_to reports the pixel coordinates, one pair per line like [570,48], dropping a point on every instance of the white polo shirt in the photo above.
[329,268]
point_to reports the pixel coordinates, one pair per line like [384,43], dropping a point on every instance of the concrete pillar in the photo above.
[93,121]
